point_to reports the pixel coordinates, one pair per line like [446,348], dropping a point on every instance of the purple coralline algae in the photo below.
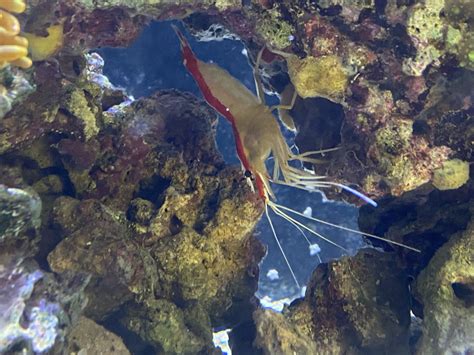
[38,324]
[129,202]
[20,211]
[32,301]
[16,288]
[32,306]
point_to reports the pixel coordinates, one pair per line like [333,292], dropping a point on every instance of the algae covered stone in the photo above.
[276,31]
[166,326]
[452,175]
[445,290]
[278,335]
[394,137]
[355,305]
[89,337]
[78,104]
[313,77]
[42,48]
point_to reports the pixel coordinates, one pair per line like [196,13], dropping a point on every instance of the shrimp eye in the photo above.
[248,175]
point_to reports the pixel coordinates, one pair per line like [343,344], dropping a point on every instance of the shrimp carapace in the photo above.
[258,137]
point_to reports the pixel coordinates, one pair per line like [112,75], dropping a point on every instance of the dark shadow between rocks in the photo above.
[465,292]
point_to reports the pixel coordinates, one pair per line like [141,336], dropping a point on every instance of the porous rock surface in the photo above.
[141,215]
[90,338]
[356,305]
[445,288]
[136,197]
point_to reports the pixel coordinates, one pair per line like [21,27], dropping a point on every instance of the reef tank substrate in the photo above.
[136,182]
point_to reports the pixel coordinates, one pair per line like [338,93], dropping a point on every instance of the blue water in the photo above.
[153,62]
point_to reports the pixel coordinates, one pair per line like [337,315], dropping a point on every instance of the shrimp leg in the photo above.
[256,77]
[287,107]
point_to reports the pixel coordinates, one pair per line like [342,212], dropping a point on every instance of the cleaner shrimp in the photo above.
[258,137]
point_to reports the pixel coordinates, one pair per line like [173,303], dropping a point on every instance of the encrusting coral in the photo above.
[13,48]
[143,216]
[453,174]
[42,48]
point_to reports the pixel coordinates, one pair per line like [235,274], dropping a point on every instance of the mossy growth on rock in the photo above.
[42,48]
[78,105]
[395,137]
[445,288]
[453,174]
[274,30]
[313,77]
[169,328]
[356,305]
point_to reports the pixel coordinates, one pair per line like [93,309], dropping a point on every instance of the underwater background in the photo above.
[127,224]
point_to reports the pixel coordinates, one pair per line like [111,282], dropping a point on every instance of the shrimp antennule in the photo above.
[281,248]
[309,185]
[373,236]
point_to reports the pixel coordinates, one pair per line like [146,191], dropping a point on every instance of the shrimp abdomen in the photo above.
[226,89]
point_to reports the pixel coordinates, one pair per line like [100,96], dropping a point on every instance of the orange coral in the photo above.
[13,48]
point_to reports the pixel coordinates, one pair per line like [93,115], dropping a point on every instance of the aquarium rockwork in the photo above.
[247,177]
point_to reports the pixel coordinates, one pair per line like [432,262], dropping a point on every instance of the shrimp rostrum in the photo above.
[258,137]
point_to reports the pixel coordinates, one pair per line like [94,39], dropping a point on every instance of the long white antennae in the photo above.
[281,249]
[315,152]
[275,208]
[308,183]
[345,228]
[301,231]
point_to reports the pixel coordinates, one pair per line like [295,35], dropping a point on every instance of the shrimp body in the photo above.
[257,133]
[258,136]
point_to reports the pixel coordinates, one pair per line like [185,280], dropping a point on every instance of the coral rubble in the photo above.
[129,204]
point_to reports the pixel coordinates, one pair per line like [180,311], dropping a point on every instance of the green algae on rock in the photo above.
[189,225]
[56,107]
[278,335]
[79,106]
[274,30]
[88,336]
[394,137]
[357,304]
[323,76]
[177,210]
[439,27]
[168,329]
[445,289]
[452,175]
[404,160]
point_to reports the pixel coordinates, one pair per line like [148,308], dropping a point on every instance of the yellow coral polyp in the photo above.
[9,24]
[13,48]
[42,48]
[16,6]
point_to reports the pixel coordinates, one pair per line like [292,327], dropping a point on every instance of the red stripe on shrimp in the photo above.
[191,63]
